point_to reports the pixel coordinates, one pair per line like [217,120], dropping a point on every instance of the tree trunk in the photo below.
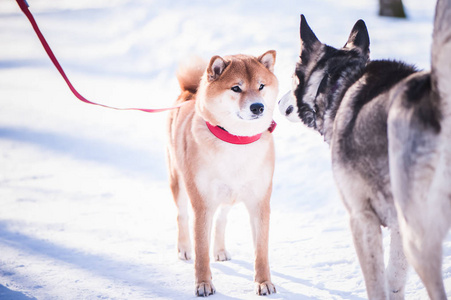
[391,8]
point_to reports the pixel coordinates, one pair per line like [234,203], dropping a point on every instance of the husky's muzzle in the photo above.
[288,108]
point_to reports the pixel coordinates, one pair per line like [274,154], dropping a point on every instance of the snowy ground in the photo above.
[86,211]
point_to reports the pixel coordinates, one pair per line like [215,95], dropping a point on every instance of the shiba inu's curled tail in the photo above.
[190,73]
[441,54]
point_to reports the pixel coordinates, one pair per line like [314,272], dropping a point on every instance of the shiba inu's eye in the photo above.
[261,87]
[236,89]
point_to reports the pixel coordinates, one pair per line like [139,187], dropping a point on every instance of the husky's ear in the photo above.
[359,38]
[216,67]
[308,38]
[268,59]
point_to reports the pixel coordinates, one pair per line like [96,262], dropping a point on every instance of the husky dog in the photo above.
[389,130]
[220,152]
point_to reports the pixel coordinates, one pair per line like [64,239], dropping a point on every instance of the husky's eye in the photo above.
[236,89]
[261,87]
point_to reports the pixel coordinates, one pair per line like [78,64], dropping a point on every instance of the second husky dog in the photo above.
[221,151]
[389,130]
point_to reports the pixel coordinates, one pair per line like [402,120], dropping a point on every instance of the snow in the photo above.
[86,210]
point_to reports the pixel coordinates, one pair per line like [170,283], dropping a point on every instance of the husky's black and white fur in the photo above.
[389,130]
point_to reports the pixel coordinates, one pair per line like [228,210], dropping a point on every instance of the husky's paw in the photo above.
[397,294]
[184,254]
[265,288]
[205,289]
[222,255]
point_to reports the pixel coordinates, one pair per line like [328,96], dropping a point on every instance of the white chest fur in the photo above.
[228,173]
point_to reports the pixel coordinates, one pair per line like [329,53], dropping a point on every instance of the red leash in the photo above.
[24,7]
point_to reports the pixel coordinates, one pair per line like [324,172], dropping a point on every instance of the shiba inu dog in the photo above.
[389,130]
[220,152]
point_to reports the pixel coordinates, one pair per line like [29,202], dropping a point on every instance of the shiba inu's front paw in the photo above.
[205,289]
[265,288]
[222,255]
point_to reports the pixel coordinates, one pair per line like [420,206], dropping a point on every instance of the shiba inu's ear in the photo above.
[216,67]
[359,38]
[308,38]
[268,59]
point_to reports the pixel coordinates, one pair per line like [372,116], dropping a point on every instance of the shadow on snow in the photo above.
[116,155]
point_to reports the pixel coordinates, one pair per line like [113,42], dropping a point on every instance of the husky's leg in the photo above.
[259,218]
[219,250]
[420,177]
[203,218]
[397,266]
[366,232]
[423,219]
[420,187]
[425,255]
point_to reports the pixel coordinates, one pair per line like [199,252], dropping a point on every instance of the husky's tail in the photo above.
[189,74]
[441,54]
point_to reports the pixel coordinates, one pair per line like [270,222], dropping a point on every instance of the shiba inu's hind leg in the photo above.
[219,250]
[181,201]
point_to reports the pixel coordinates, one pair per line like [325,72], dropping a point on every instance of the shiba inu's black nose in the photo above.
[257,108]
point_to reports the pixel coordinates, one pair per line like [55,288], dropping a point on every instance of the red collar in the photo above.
[225,136]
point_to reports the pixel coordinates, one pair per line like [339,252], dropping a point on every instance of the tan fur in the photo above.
[214,174]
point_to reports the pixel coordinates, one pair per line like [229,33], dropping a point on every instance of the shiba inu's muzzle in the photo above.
[253,111]
[257,108]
